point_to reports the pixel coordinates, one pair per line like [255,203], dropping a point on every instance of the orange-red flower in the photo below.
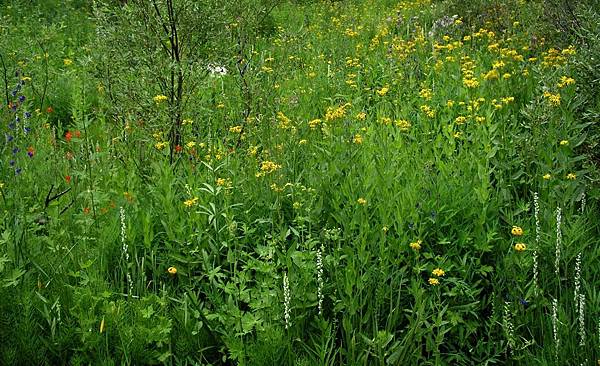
[68,136]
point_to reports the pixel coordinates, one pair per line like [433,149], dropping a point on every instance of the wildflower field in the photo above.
[299,182]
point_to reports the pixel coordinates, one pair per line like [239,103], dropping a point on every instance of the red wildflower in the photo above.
[68,136]
[68,178]
[178,148]
[77,134]
[49,110]
[86,210]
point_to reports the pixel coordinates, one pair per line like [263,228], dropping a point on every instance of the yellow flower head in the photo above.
[516,231]
[235,129]
[416,245]
[160,98]
[564,143]
[383,91]
[438,272]
[191,202]
[67,62]
[172,271]
[361,201]
[519,247]
[547,176]
[434,281]
[571,176]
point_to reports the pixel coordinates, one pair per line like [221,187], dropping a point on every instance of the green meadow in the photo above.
[299,182]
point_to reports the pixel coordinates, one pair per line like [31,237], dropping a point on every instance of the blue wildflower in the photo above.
[21,98]
[27,115]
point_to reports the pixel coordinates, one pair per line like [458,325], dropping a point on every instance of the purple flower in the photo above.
[17,171]
[9,138]
[21,98]
[27,115]
[12,163]
[15,150]
[26,129]
[30,153]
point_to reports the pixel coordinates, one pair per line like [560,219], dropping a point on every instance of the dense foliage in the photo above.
[299,183]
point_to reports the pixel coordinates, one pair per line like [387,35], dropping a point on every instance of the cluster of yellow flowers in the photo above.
[235,129]
[553,99]
[565,81]
[438,272]
[267,167]
[190,202]
[467,69]
[160,98]
[416,246]
[335,113]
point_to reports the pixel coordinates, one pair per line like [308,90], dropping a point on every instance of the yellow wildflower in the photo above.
[426,93]
[361,201]
[67,62]
[235,129]
[314,123]
[191,202]
[434,281]
[383,91]
[519,247]
[564,143]
[438,272]
[358,139]
[565,81]
[547,176]
[172,271]
[416,245]
[554,99]
[571,176]
[403,124]
[460,120]
[160,145]
[160,98]
[516,231]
